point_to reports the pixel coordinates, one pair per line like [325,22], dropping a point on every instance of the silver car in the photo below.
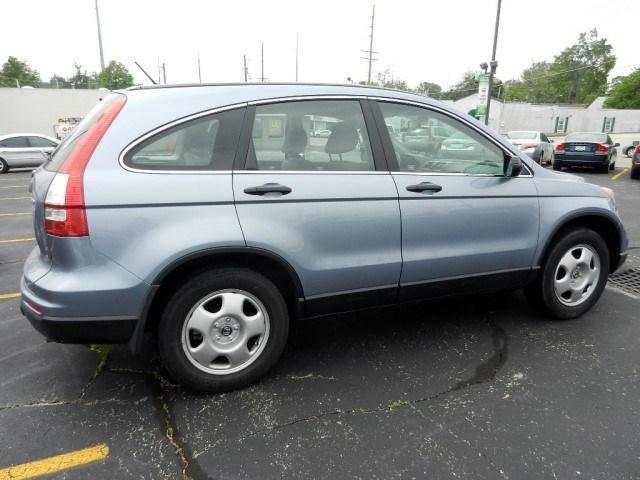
[535,144]
[20,150]
[205,216]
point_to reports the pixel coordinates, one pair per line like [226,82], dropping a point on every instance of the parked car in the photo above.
[535,144]
[629,149]
[217,246]
[586,149]
[20,150]
[635,164]
[321,133]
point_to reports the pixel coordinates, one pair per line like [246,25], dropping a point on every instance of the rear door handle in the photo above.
[424,187]
[268,188]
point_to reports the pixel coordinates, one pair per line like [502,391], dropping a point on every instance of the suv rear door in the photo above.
[327,205]
[465,227]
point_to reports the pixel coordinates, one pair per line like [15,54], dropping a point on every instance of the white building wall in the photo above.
[36,110]
[508,116]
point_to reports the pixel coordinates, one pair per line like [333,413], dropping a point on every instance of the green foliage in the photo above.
[625,92]
[115,76]
[429,89]
[577,75]
[14,69]
[465,87]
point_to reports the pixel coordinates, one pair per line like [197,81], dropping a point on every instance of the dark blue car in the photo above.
[595,150]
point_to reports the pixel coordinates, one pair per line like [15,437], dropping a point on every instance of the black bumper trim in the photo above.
[82,329]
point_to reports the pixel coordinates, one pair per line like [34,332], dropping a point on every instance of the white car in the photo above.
[535,144]
[21,150]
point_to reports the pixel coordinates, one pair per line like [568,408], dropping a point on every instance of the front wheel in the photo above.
[573,276]
[223,330]
[4,167]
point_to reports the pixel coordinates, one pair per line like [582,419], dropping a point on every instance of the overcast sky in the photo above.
[421,40]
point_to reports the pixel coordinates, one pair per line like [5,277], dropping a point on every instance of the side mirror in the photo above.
[551,140]
[616,144]
[512,166]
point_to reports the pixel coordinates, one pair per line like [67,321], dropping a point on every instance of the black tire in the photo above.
[541,292]
[629,151]
[557,165]
[170,329]
[635,173]
[612,166]
[4,168]
[603,168]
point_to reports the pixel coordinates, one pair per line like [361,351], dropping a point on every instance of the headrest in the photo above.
[343,138]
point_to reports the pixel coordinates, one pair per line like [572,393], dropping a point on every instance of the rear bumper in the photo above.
[581,160]
[81,330]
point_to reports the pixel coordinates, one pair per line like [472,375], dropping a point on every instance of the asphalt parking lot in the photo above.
[483,388]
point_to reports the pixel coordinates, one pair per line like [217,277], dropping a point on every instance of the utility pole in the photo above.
[370,52]
[164,73]
[245,70]
[262,62]
[199,73]
[296,57]
[493,64]
[99,38]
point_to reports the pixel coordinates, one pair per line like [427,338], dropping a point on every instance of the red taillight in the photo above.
[638,149]
[602,148]
[65,214]
[561,147]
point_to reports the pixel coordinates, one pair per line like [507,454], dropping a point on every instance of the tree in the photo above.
[625,93]
[577,75]
[56,81]
[115,76]
[430,89]
[14,69]
[82,79]
[463,88]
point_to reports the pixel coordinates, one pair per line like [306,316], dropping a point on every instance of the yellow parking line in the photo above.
[17,240]
[56,464]
[618,175]
[9,296]
[14,214]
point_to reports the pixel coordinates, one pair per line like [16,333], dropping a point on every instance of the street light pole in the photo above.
[99,37]
[493,64]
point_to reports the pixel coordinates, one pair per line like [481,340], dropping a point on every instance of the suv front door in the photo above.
[325,203]
[465,226]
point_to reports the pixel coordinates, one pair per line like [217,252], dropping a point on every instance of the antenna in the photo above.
[199,72]
[245,69]
[262,62]
[296,57]
[145,72]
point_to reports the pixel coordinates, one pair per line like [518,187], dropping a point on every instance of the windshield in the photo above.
[522,135]
[587,137]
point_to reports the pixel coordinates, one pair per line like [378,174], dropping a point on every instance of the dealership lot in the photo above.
[484,388]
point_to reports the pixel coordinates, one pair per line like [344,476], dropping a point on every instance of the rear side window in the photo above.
[61,153]
[14,142]
[39,142]
[205,143]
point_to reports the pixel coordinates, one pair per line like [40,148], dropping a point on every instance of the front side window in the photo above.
[318,135]
[14,142]
[206,143]
[425,141]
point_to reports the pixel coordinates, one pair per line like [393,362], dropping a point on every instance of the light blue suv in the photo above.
[212,217]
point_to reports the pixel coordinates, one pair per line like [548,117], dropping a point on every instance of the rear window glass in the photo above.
[586,137]
[206,143]
[522,135]
[61,153]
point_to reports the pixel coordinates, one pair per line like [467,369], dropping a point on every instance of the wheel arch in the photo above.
[602,223]
[267,263]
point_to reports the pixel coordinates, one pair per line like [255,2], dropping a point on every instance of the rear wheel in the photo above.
[557,165]
[635,173]
[629,151]
[4,168]
[223,330]
[573,276]
[603,168]
[612,166]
